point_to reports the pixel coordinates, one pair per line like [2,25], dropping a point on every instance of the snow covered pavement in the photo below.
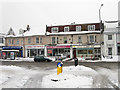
[72,77]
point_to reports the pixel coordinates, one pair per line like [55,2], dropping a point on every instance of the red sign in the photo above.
[58,46]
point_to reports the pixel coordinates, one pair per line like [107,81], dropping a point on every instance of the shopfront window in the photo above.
[56,51]
[35,52]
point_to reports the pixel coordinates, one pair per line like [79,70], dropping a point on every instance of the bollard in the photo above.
[59,68]
[76,61]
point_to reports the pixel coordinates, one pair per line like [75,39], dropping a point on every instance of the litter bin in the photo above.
[76,61]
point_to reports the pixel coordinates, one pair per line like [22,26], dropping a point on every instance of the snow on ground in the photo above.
[13,76]
[19,59]
[71,77]
[111,74]
[66,81]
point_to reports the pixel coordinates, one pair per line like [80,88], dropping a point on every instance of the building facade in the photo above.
[72,41]
[29,46]
[111,49]
[75,40]
[2,43]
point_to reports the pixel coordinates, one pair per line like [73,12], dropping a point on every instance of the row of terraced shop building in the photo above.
[74,40]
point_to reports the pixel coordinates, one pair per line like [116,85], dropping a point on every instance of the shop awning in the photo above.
[10,50]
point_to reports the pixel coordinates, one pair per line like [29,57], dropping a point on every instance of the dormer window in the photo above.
[78,28]
[54,29]
[91,27]
[66,29]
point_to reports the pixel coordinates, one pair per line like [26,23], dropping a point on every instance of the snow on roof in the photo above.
[32,32]
[81,32]
[82,23]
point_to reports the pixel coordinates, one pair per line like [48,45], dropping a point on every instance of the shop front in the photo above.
[56,50]
[87,52]
[6,50]
[33,50]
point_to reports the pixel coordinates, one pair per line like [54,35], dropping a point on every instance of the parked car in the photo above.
[60,57]
[41,59]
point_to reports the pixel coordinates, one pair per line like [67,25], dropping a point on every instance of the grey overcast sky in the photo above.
[39,13]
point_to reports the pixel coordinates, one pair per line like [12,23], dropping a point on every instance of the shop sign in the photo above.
[58,46]
[34,46]
[12,47]
[90,46]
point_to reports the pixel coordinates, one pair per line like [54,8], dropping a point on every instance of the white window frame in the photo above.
[109,38]
[66,28]
[78,28]
[54,29]
[93,39]
[91,27]
[37,41]
[109,52]
[40,39]
[29,40]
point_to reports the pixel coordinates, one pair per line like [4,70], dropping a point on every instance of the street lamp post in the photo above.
[100,28]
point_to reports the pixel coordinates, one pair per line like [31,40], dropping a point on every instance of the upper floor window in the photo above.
[54,29]
[78,28]
[37,40]
[29,40]
[65,39]
[91,27]
[40,39]
[1,40]
[79,39]
[53,40]
[66,29]
[17,42]
[12,41]
[9,41]
[91,38]
[21,41]
[109,37]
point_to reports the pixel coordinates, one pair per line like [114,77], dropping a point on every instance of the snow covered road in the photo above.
[18,77]
[72,77]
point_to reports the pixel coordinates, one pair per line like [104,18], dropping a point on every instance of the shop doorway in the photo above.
[74,53]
